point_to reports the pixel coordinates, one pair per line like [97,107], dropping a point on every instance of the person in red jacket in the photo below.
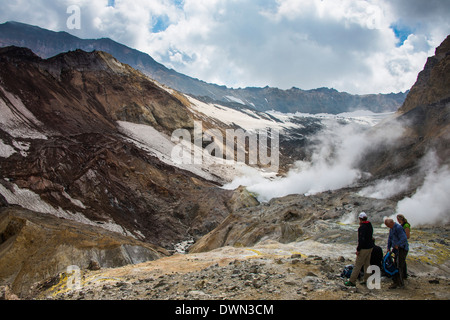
[363,250]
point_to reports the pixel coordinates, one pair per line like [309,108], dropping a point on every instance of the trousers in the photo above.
[362,259]
[400,260]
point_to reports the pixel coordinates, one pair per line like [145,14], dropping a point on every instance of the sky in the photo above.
[360,47]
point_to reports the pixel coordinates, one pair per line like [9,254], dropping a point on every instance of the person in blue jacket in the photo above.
[398,243]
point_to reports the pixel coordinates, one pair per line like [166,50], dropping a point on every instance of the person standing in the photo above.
[398,242]
[405,224]
[363,250]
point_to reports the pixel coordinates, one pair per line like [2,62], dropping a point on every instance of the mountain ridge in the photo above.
[47,43]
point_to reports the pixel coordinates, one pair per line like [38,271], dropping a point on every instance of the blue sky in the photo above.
[365,46]
[402,32]
[161,23]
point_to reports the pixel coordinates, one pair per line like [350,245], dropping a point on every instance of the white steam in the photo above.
[385,189]
[334,165]
[338,150]
[431,202]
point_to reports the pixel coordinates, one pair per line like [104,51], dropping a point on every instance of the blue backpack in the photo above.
[347,272]
[389,264]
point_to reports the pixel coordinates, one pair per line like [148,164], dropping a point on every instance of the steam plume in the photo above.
[333,165]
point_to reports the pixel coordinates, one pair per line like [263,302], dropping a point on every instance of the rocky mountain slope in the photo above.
[425,118]
[74,156]
[47,43]
[432,85]
[63,152]
[291,218]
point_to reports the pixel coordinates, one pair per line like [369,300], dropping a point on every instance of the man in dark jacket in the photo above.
[363,251]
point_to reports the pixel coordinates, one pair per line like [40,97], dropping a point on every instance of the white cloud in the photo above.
[348,45]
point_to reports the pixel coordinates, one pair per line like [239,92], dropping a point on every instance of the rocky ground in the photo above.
[304,270]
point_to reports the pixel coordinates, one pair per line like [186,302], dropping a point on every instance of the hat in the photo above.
[362,215]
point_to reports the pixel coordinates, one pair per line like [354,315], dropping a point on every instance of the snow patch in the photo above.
[234,99]
[160,145]
[248,120]
[22,146]
[29,200]
[183,246]
[6,150]
[76,202]
[363,117]
[17,120]
[32,201]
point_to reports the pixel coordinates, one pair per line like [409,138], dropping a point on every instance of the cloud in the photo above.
[347,45]
[355,46]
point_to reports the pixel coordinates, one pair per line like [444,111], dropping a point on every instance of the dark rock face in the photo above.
[425,118]
[433,83]
[76,99]
[117,181]
[79,92]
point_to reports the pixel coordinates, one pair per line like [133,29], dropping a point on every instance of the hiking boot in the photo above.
[349,284]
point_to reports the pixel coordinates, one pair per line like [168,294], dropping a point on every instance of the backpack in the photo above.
[347,272]
[389,264]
